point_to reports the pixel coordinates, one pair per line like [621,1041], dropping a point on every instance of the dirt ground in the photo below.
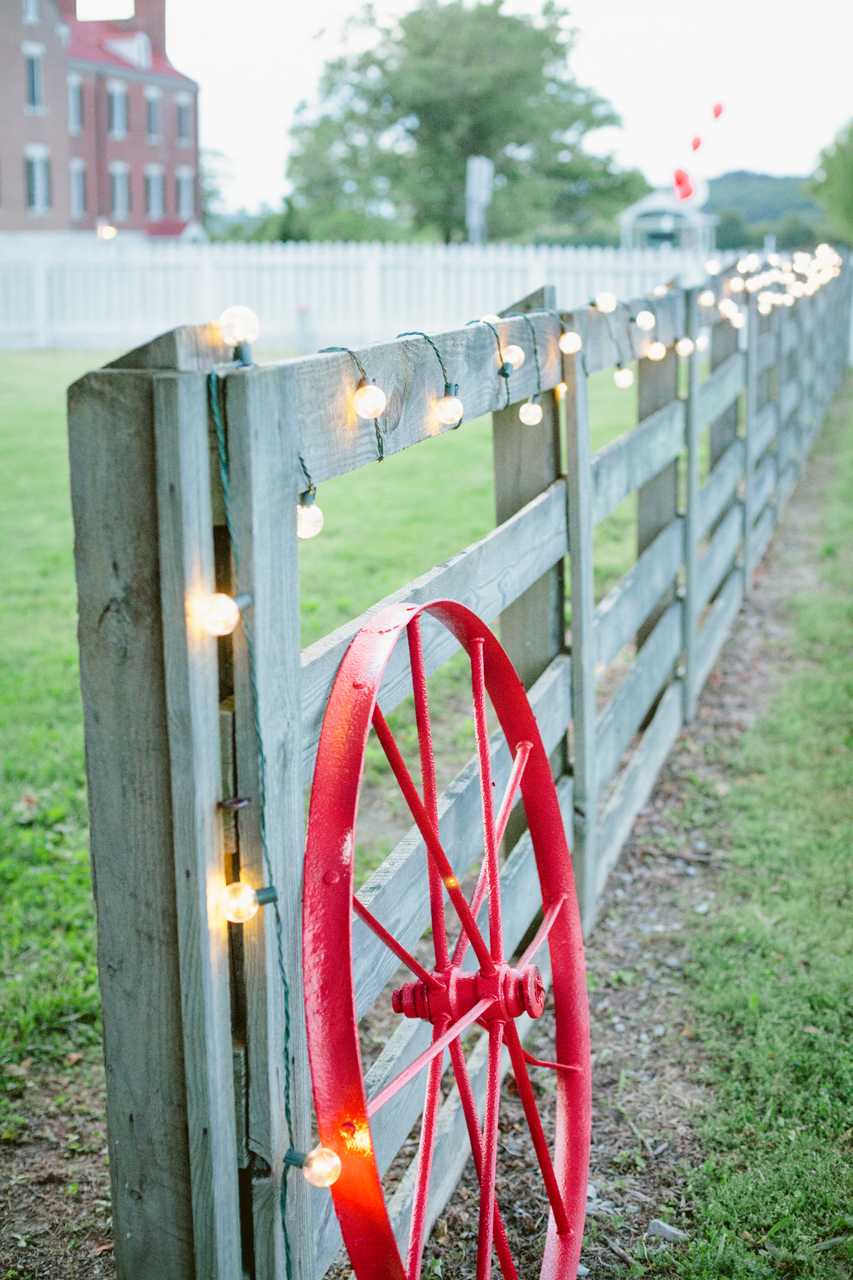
[54,1183]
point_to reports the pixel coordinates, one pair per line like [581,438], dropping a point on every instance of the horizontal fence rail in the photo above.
[196,1112]
[70,290]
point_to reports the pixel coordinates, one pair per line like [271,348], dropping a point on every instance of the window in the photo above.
[117,108]
[185,119]
[154,202]
[77,181]
[120,190]
[31,12]
[37,173]
[75,104]
[185,193]
[153,114]
[34,70]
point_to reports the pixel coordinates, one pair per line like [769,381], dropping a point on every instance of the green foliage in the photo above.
[832,184]
[385,152]
[761,197]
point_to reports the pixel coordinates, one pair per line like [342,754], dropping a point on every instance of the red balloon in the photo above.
[718,110]
[683,184]
[696,143]
[681,177]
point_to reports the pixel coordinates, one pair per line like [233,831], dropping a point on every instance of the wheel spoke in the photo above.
[419,687]
[469,1108]
[490,848]
[488,1175]
[438,1046]
[537,1133]
[426,1148]
[392,944]
[542,932]
[430,837]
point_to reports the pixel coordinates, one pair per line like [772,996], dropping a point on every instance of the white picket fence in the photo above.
[70,290]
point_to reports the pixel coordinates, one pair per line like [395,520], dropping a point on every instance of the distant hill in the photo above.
[761,197]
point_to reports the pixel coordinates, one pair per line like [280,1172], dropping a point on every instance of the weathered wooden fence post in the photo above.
[690,612]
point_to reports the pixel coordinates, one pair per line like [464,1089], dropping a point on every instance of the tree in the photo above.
[385,152]
[832,184]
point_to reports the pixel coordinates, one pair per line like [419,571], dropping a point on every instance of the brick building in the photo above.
[95,122]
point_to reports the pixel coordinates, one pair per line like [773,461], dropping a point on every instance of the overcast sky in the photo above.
[781,67]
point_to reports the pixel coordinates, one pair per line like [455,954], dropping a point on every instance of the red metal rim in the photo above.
[333,1040]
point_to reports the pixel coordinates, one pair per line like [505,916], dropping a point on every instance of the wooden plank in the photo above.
[633,459]
[316,392]
[396,893]
[763,533]
[768,349]
[264,466]
[789,398]
[751,456]
[692,509]
[721,389]
[720,552]
[717,625]
[657,498]
[718,490]
[608,339]
[192,697]
[584,680]
[522,900]
[787,445]
[764,482]
[122,678]
[764,429]
[790,335]
[191,348]
[486,577]
[624,607]
[636,782]
[626,709]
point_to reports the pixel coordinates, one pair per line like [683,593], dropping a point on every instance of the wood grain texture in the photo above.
[723,387]
[191,348]
[693,510]
[192,696]
[719,554]
[629,462]
[717,625]
[627,604]
[718,490]
[486,577]
[122,677]
[762,534]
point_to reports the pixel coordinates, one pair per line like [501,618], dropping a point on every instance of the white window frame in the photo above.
[155,186]
[34,56]
[184,112]
[119,190]
[38,155]
[31,13]
[77,188]
[117,92]
[75,103]
[185,193]
[153,95]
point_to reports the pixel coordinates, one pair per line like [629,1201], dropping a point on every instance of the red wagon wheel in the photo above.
[494,995]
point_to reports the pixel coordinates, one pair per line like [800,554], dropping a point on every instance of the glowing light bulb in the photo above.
[646,321]
[449,410]
[738,321]
[796,289]
[703,342]
[707,298]
[514,355]
[737,284]
[728,307]
[570,342]
[369,400]
[685,346]
[753,262]
[309,520]
[742,265]
[530,413]
[239,902]
[218,614]
[106,232]
[623,378]
[606,302]
[773,259]
[754,283]
[787,300]
[238,325]
[660,291]
[562,389]
[656,351]
[322,1167]
[490,319]
[824,251]
[713,266]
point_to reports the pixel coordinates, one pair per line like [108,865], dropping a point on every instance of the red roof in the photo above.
[90,43]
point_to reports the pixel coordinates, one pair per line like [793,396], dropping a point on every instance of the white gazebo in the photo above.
[660,218]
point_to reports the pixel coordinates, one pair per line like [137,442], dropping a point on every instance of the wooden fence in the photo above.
[195,1027]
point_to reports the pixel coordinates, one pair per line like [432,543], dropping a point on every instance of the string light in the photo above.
[309,520]
[713,266]
[753,262]
[218,614]
[239,902]
[239,326]
[738,321]
[737,284]
[656,351]
[787,300]
[570,342]
[449,409]
[321,1167]
[703,342]
[645,320]
[490,319]
[606,302]
[105,231]
[660,291]
[623,377]
[530,413]
[369,400]
[562,389]
[742,265]
[728,307]
[707,298]
[685,346]
[514,355]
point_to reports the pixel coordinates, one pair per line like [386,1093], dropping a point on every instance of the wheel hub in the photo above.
[512,992]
